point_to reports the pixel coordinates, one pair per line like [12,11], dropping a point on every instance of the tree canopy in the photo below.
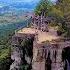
[60,12]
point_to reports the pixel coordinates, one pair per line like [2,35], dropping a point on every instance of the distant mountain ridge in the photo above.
[24,5]
[17,6]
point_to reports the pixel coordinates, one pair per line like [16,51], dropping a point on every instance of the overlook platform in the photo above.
[40,35]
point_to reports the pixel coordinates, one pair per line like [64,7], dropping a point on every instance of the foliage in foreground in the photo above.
[5,59]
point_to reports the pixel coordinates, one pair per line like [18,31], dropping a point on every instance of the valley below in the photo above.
[8,24]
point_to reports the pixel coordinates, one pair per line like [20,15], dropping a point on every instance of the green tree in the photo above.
[59,12]
[43,7]
[64,6]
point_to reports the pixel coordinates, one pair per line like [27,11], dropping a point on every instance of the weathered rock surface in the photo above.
[16,56]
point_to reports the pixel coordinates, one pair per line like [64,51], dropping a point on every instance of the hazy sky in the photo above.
[6,2]
[31,0]
[11,1]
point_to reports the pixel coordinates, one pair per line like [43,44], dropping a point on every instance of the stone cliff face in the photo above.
[16,56]
[44,56]
[22,53]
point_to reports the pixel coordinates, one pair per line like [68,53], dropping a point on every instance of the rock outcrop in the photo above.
[46,55]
